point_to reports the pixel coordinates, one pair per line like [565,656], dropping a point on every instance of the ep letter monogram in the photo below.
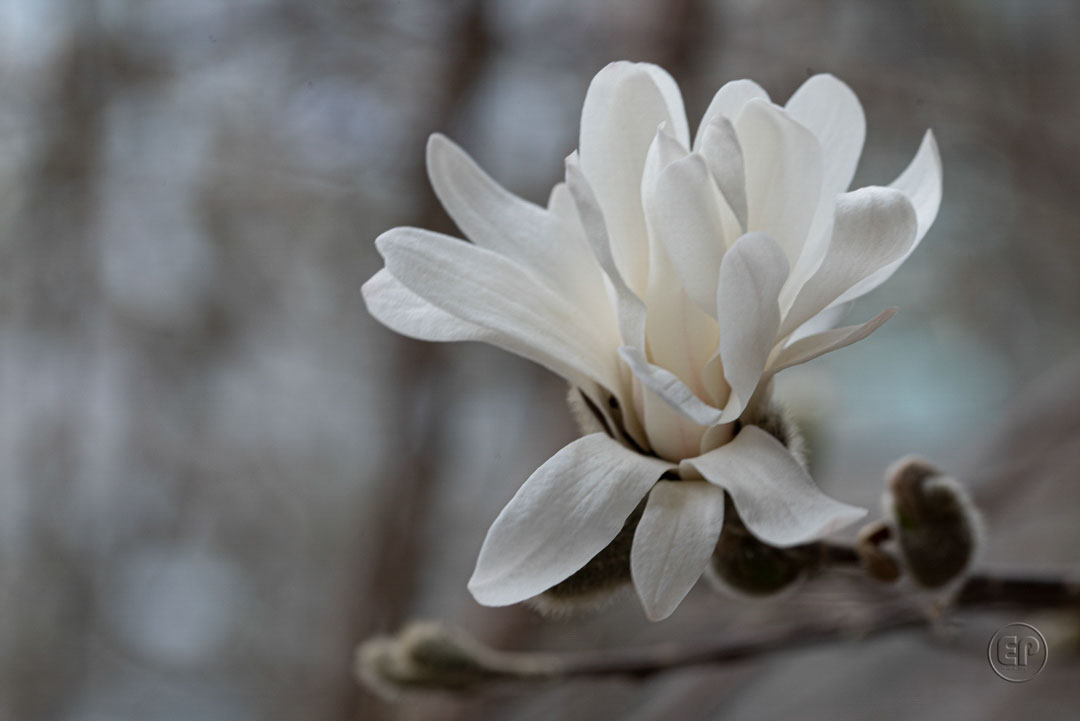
[1018,652]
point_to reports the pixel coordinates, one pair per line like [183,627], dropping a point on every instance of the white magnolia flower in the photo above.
[668,281]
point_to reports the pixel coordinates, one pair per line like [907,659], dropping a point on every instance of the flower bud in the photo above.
[935,523]
[877,563]
[594,586]
[742,565]
[430,656]
[778,422]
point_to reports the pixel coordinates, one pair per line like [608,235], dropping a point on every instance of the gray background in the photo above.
[218,473]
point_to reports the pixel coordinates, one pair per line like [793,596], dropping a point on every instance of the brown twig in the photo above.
[427,656]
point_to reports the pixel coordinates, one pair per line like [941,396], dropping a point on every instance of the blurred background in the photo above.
[218,473]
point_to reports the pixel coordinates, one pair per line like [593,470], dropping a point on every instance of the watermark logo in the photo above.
[1018,652]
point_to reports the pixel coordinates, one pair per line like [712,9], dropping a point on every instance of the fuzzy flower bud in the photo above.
[935,523]
[595,584]
[430,656]
[744,566]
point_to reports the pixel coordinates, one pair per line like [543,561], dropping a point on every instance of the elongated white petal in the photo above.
[810,347]
[495,218]
[728,103]
[565,513]
[823,321]
[673,542]
[748,314]
[404,312]
[694,224]
[670,388]
[488,214]
[783,166]
[833,113]
[629,307]
[664,151]
[723,154]
[775,497]
[676,110]
[921,183]
[873,227]
[490,291]
[680,336]
[623,107]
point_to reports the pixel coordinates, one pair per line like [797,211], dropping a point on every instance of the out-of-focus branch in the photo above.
[428,656]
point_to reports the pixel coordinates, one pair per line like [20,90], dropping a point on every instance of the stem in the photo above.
[979,591]
[460,663]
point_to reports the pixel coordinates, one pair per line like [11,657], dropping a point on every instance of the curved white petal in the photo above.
[404,312]
[723,154]
[488,214]
[484,288]
[694,224]
[783,165]
[565,513]
[672,389]
[664,151]
[775,497]
[629,307]
[728,102]
[873,227]
[623,107]
[673,542]
[810,347]
[748,313]
[673,98]
[679,335]
[494,218]
[921,183]
[833,113]
[823,321]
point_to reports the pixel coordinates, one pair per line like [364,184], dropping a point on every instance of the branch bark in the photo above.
[433,657]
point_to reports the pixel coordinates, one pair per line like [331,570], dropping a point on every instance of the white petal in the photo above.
[673,543]
[676,110]
[748,313]
[565,513]
[832,112]
[490,291]
[723,154]
[694,224]
[671,434]
[728,103]
[623,107]
[672,389]
[775,497]
[488,214]
[921,183]
[823,321]
[496,219]
[629,307]
[783,166]
[664,151]
[403,311]
[873,227]
[811,346]
[679,336]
